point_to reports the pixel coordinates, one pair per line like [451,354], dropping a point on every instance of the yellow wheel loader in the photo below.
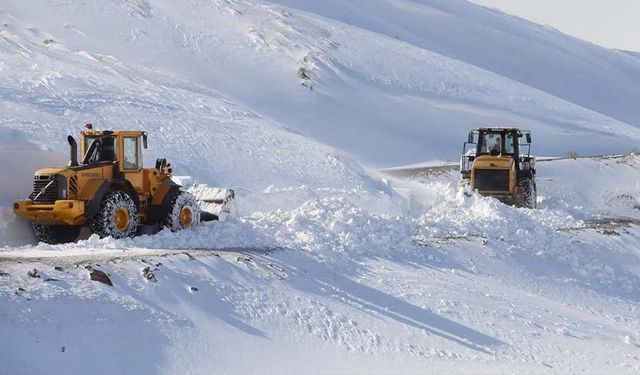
[107,191]
[497,162]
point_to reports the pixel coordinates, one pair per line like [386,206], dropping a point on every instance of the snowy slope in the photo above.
[329,266]
[538,56]
[382,97]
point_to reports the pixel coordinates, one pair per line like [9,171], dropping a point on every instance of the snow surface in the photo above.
[328,266]
[455,283]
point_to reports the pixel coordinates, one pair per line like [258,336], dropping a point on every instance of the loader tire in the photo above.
[183,212]
[117,216]
[530,193]
[56,234]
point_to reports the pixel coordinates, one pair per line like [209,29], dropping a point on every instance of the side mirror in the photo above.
[528,137]
[144,140]
[470,137]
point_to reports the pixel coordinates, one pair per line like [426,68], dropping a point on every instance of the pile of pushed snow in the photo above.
[324,226]
[336,225]
[456,214]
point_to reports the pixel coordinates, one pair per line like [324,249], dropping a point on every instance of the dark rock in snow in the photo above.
[303,73]
[97,275]
[33,273]
[148,274]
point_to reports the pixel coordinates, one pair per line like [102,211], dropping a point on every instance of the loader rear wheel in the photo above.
[56,234]
[183,212]
[117,216]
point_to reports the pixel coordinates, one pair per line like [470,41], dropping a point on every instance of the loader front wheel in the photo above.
[56,234]
[183,212]
[117,217]
[530,194]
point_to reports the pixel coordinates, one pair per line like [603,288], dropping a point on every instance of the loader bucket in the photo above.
[215,203]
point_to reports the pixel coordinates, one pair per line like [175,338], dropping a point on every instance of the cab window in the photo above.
[88,141]
[97,157]
[490,143]
[131,159]
[509,144]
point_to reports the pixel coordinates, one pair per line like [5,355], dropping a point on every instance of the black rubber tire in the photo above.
[530,193]
[104,222]
[56,234]
[177,203]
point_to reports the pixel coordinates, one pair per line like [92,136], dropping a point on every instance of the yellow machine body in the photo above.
[75,189]
[500,165]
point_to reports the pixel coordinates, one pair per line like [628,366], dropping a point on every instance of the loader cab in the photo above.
[497,142]
[99,148]
[130,158]
[122,149]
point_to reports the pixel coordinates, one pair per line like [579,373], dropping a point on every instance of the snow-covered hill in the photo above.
[387,76]
[538,56]
[329,266]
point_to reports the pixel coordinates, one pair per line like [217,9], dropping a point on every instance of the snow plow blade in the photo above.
[216,203]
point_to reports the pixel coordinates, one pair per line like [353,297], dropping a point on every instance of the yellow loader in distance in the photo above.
[497,162]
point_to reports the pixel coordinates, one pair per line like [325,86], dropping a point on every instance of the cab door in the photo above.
[131,166]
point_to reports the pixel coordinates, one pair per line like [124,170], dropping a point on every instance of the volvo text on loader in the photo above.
[108,190]
[497,162]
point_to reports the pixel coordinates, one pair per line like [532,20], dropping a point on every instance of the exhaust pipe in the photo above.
[73,157]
